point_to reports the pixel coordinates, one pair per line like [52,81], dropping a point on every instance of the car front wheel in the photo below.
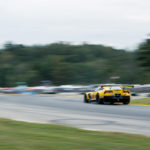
[85,99]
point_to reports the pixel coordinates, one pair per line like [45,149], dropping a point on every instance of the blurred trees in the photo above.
[143,58]
[143,54]
[63,63]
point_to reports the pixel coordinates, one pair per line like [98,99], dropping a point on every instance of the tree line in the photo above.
[63,63]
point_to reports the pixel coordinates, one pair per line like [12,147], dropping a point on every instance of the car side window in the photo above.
[96,89]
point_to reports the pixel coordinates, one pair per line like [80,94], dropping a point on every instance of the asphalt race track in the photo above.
[71,111]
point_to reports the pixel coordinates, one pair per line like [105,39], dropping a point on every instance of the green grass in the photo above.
[30,136]
[145,101]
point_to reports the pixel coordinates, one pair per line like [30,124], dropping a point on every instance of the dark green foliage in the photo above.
[66,64]
[143,54]
[143,59]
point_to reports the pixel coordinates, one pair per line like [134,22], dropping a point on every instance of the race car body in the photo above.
[107,95]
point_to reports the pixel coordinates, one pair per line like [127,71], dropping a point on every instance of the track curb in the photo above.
[141,104]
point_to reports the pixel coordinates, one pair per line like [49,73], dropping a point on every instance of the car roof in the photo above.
[113,88]
[106,88]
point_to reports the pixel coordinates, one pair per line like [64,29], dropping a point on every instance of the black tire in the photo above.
[126,102]
[85,99]
[105,102]
[111,102]
[99,100]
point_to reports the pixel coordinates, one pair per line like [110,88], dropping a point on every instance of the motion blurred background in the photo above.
[117,47]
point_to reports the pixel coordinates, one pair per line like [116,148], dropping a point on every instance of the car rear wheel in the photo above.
[85,99]
[108,102]
[99,100]
[126,102]
[111,102]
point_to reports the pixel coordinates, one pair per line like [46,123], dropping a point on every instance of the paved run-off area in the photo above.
[71,111]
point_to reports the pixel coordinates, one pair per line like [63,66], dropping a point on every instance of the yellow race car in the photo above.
[108,95]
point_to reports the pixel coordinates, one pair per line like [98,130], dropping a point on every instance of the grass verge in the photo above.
[144,101]
[30,136]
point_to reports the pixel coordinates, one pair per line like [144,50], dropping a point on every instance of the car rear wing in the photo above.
[116,85]
[131,86]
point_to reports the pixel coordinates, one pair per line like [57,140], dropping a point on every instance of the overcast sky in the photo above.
[118,23]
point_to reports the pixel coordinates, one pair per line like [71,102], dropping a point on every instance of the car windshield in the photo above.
[98,89]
